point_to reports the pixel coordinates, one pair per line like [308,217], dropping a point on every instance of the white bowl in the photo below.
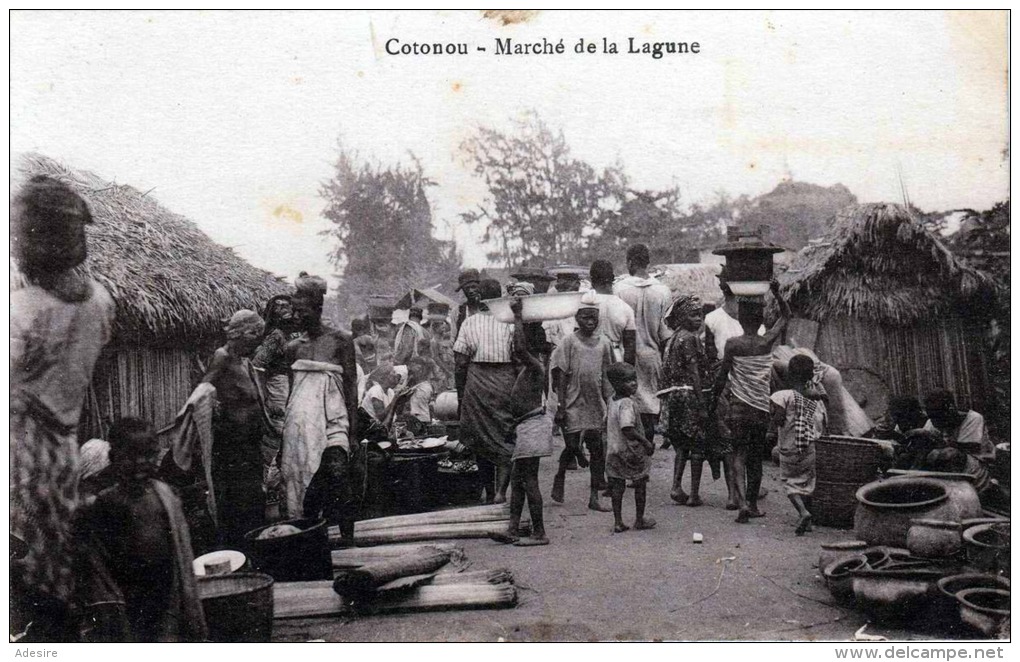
[236,559]
[749,288]
[538,307]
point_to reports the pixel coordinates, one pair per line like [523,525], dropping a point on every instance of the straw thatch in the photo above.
[172,284]
[699,279]
[879,264]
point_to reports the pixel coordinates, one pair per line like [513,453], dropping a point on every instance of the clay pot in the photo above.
[929,538]
[885,508]
[984,609]
[445,408]
[987,547]
[894,595]
[946,607]
[834,551]
[839,580]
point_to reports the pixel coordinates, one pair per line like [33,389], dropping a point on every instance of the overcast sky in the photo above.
[233,117]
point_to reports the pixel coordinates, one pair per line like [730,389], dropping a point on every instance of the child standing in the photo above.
[138,549]
[629,453]
[532,431]
[799,414]
[582,388]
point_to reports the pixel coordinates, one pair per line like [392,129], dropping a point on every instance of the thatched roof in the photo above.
[697,279]
[878,263]
[172,283]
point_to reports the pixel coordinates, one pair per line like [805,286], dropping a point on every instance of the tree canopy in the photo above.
[381,221]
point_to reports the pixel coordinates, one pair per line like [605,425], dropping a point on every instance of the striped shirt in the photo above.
[485,339]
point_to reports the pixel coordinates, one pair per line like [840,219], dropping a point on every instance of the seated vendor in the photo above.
[960,429]
[380,402]
[419,416]
[903,415]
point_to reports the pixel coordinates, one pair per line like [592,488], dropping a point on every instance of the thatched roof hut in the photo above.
[171,282]
[172,286]
[878,263]
[897,312]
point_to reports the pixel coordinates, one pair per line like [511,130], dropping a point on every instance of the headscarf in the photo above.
[313,286]
[269,314]
[95,456]
[244,323]
[520,289]
[683,305]
[48,219]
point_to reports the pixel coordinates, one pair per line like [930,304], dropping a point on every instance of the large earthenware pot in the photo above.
[984,609]
[838,578]
[933,538]
[894,595]
[835,551]
[885,508]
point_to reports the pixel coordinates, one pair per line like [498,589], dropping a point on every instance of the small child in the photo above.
[532,430]
[139,548]
[579,373]
[799,415]
[629,453]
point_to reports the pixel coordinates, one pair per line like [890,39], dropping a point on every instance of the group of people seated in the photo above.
[938,436]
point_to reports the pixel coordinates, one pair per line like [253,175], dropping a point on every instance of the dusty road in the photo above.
[745,582]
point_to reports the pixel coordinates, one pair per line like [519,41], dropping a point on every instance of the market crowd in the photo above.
[101,546]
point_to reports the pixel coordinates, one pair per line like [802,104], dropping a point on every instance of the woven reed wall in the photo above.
[911,360]
[148,383]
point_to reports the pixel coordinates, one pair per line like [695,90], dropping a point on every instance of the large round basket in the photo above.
[842,465]
[238,607]
[847,460]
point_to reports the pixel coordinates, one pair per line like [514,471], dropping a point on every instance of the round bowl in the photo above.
[839,580]
[537,307]
[988,547]
[228,560]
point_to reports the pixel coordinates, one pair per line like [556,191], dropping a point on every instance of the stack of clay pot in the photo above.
[914,534]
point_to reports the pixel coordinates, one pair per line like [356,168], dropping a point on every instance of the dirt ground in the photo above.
[745,582]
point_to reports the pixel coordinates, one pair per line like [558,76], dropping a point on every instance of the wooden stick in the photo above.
[358,556]
[453,516]
[423,533]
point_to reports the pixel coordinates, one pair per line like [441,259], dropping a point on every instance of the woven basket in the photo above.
[833,504]
[846,460]
[238,607]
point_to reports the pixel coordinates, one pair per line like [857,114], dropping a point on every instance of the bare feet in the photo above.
[598,507]
[644,524]
[743,518]
[694,501]
[504,537]
[500,498]
[803,525]
[531,542]
[731,506]
[754,513]
[679,497]
[620,528]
